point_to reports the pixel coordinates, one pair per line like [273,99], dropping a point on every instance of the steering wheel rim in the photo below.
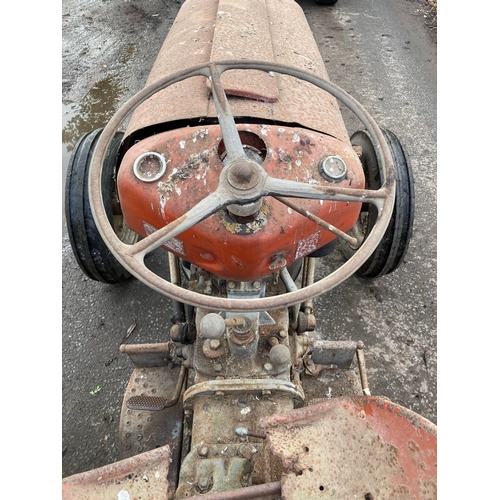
[132,256]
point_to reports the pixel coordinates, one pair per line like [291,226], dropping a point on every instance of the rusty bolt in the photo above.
[272,340]
[283,334]
[203,451]
[214,344]
[257,285]
[247,450]
[211,349]
[204,484]
[175,332]
[217,367]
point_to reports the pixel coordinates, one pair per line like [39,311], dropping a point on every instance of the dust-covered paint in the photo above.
[285,153]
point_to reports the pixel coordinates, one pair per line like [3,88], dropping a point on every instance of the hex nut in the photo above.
[214,344]
[212,352]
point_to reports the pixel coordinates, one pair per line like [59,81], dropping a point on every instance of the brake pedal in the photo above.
[147,403]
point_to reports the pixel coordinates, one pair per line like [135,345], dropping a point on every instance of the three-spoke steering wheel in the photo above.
[242,181]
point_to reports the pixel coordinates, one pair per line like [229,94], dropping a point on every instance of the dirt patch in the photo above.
[428,10]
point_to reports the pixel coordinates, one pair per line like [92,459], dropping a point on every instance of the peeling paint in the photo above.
[264,129]
[194,162]
[307,245]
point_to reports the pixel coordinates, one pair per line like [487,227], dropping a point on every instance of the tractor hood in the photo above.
[258,30]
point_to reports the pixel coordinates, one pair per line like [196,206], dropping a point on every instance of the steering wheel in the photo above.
[243,181]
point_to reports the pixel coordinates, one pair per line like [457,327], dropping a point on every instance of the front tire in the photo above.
[89,249]
[392,249]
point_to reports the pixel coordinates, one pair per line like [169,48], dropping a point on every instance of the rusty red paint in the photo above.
[413,436]
[288,100]
[242,31]
[141,476]
[355,446]
[194,164]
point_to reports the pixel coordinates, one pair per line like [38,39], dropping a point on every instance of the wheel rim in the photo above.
[242,181]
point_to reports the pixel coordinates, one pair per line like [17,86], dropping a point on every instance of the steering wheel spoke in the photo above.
[205,208]
[329,227]
[232,141]
[292,189]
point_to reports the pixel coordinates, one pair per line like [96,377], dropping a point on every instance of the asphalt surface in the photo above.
[384,54]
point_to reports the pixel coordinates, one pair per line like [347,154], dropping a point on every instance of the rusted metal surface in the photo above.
[333,352]
[220,459]
[141,476]
[156,402]
[216,467]
[330,383]
[244,386]
[360,355]
[270,30]
[261,491]
[242,31]
[144,430]
[355,447]
[143,355]
[229,365]
[225,247]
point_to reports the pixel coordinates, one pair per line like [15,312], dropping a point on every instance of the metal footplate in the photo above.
[152,413]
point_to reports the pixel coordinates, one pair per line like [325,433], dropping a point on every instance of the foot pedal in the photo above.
[158,403]
[147,403]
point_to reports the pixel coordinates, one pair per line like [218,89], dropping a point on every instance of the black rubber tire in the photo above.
[326,2]
[392,249]
[89,249]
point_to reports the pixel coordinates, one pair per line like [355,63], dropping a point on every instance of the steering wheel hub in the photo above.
[244,174]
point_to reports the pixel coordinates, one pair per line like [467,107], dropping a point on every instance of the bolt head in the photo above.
[214,344]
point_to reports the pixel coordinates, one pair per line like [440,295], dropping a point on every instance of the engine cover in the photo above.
[238,248]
